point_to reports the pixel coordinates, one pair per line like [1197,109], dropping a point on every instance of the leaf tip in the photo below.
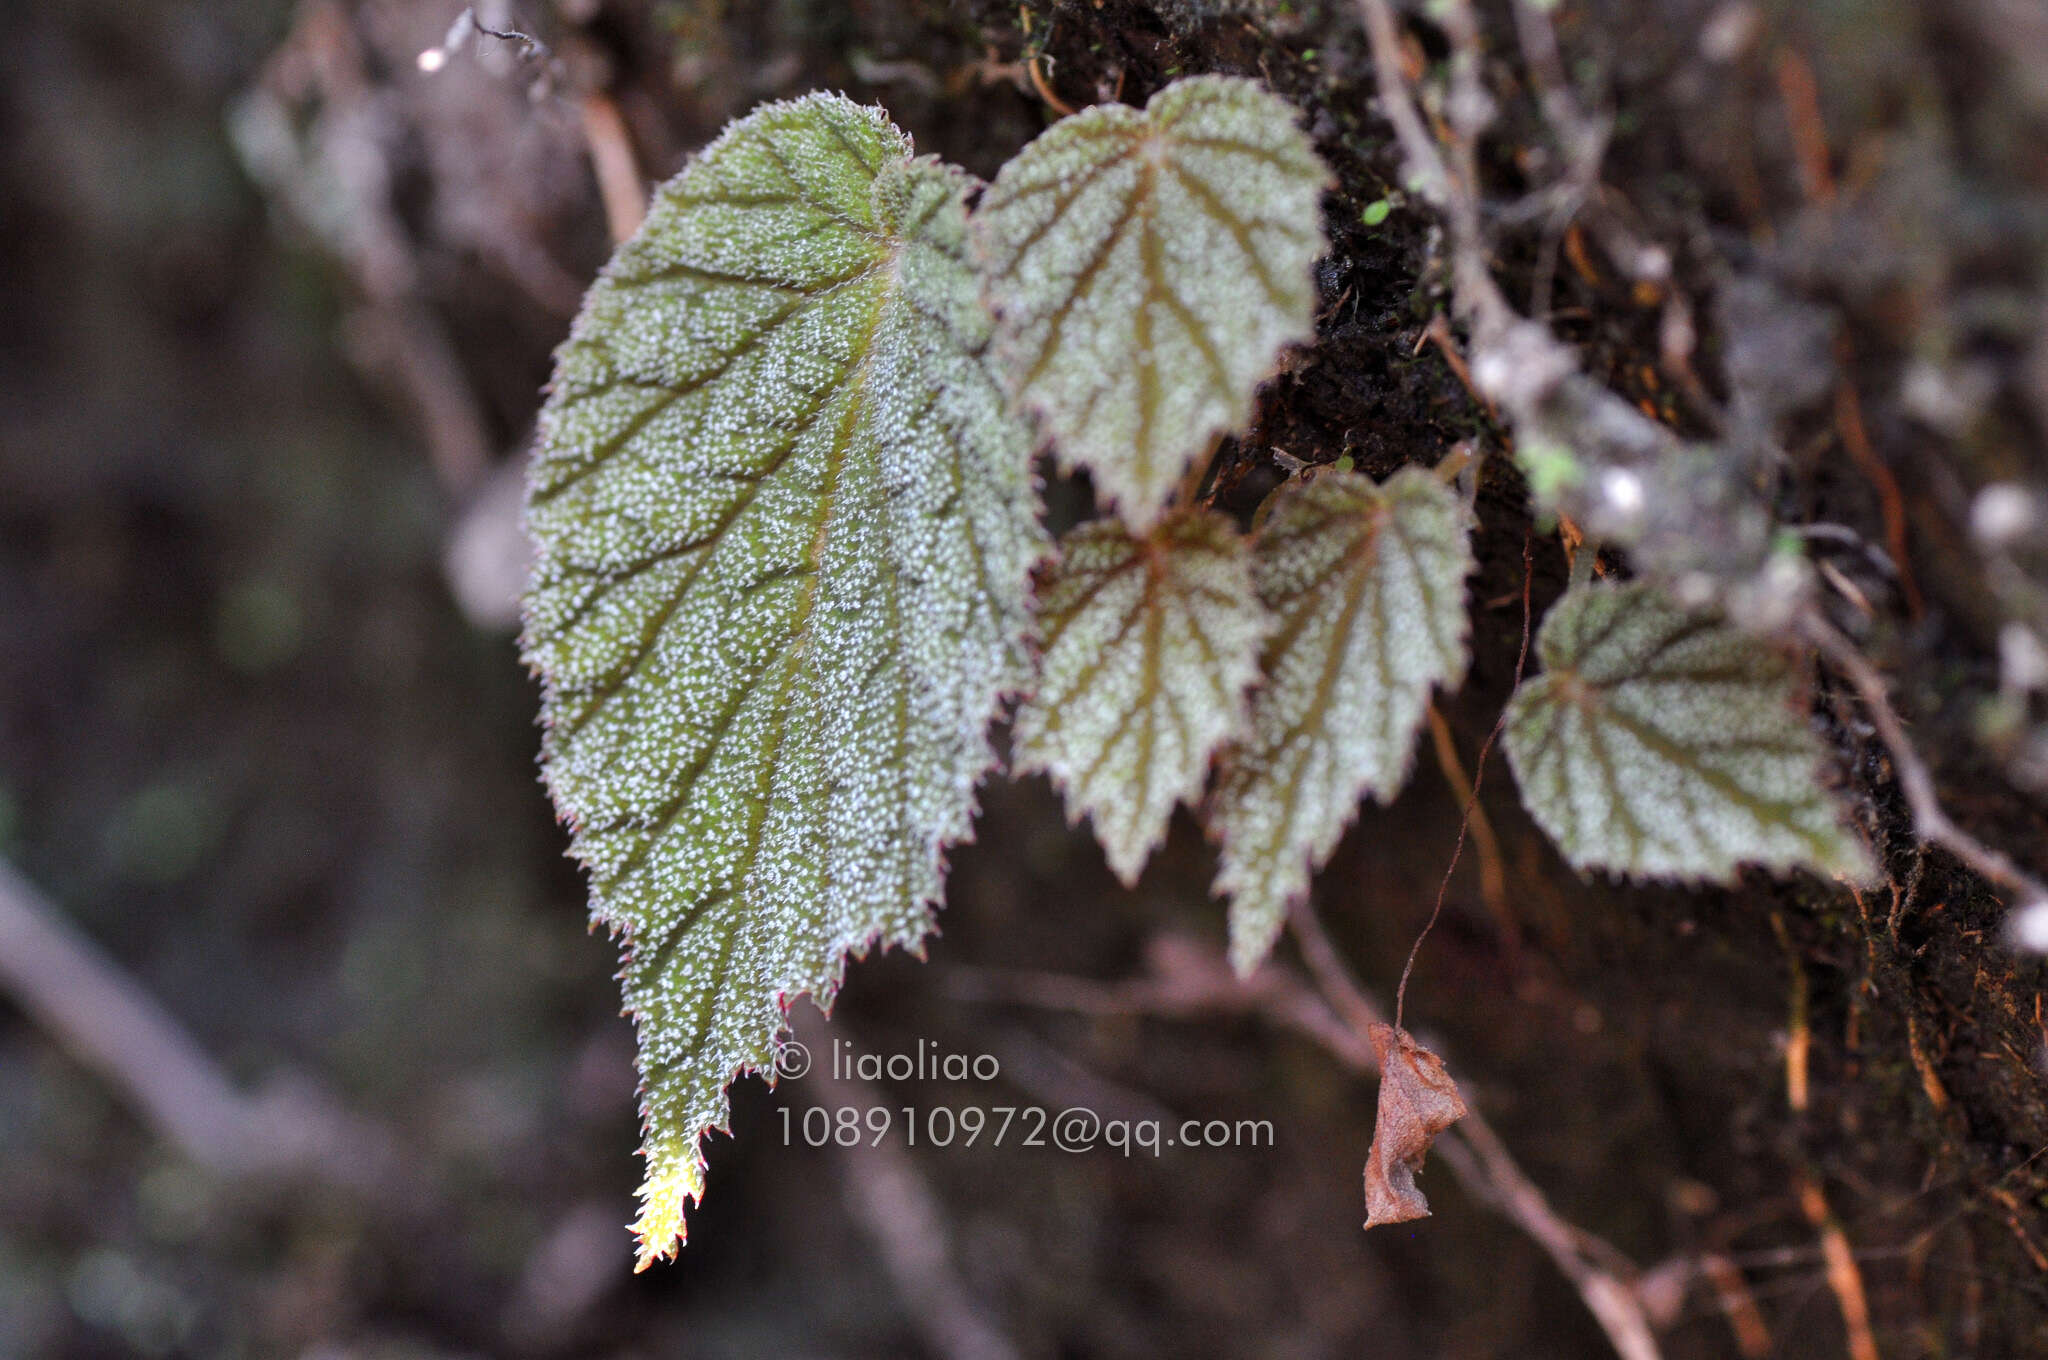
[1256,920]
[661,1229]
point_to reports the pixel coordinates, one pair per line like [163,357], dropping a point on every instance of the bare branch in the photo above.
[1930,821]
[112,1025]
[1189,982]
[1186,982]
[1488,1170]
[891,1202]
[1349,998]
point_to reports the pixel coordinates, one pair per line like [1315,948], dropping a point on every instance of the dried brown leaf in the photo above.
[1418,1101]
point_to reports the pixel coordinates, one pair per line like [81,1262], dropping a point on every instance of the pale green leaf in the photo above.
[785,528]
[1149,645]
[1146,270]
[1664,743]
[1369,585]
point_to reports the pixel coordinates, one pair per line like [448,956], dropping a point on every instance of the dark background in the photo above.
[275,311]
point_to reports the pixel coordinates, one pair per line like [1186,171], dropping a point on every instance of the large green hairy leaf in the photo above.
[1369,584]
[785,531]
[1146,269]
[1149,644]
[1665,743]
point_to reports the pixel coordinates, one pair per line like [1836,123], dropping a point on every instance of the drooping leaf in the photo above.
[1146,270]
[1368,582]
[1665,743]
[1149,645]
[785,530]
[1418,1101]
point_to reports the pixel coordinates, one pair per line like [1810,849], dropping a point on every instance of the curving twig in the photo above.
[1485,1167]
[619,186]
[1930,821]
[1190,982]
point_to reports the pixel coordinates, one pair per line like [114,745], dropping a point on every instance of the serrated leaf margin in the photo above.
[1238,290]
[1322,553]
[960,677]
[1756,716]
[1116,608]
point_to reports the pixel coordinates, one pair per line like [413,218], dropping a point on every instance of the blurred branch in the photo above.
[1485,1167]
[401,343]
[109,1022]
[896,1208]
[1186,982]
[619,185]
[335,179]
[79,995]
[1930,821]
[1189,982]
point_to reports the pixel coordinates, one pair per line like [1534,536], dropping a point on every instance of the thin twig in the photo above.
[1586,1260]
[1493,874]
[1614,1303]
[1471,799]
[1045,89]
[1582,139]
[1188,982]
[1738,1303]
[529,46]
[1891,501]
[1799,1027]
[1930,821]
[1844,1278]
